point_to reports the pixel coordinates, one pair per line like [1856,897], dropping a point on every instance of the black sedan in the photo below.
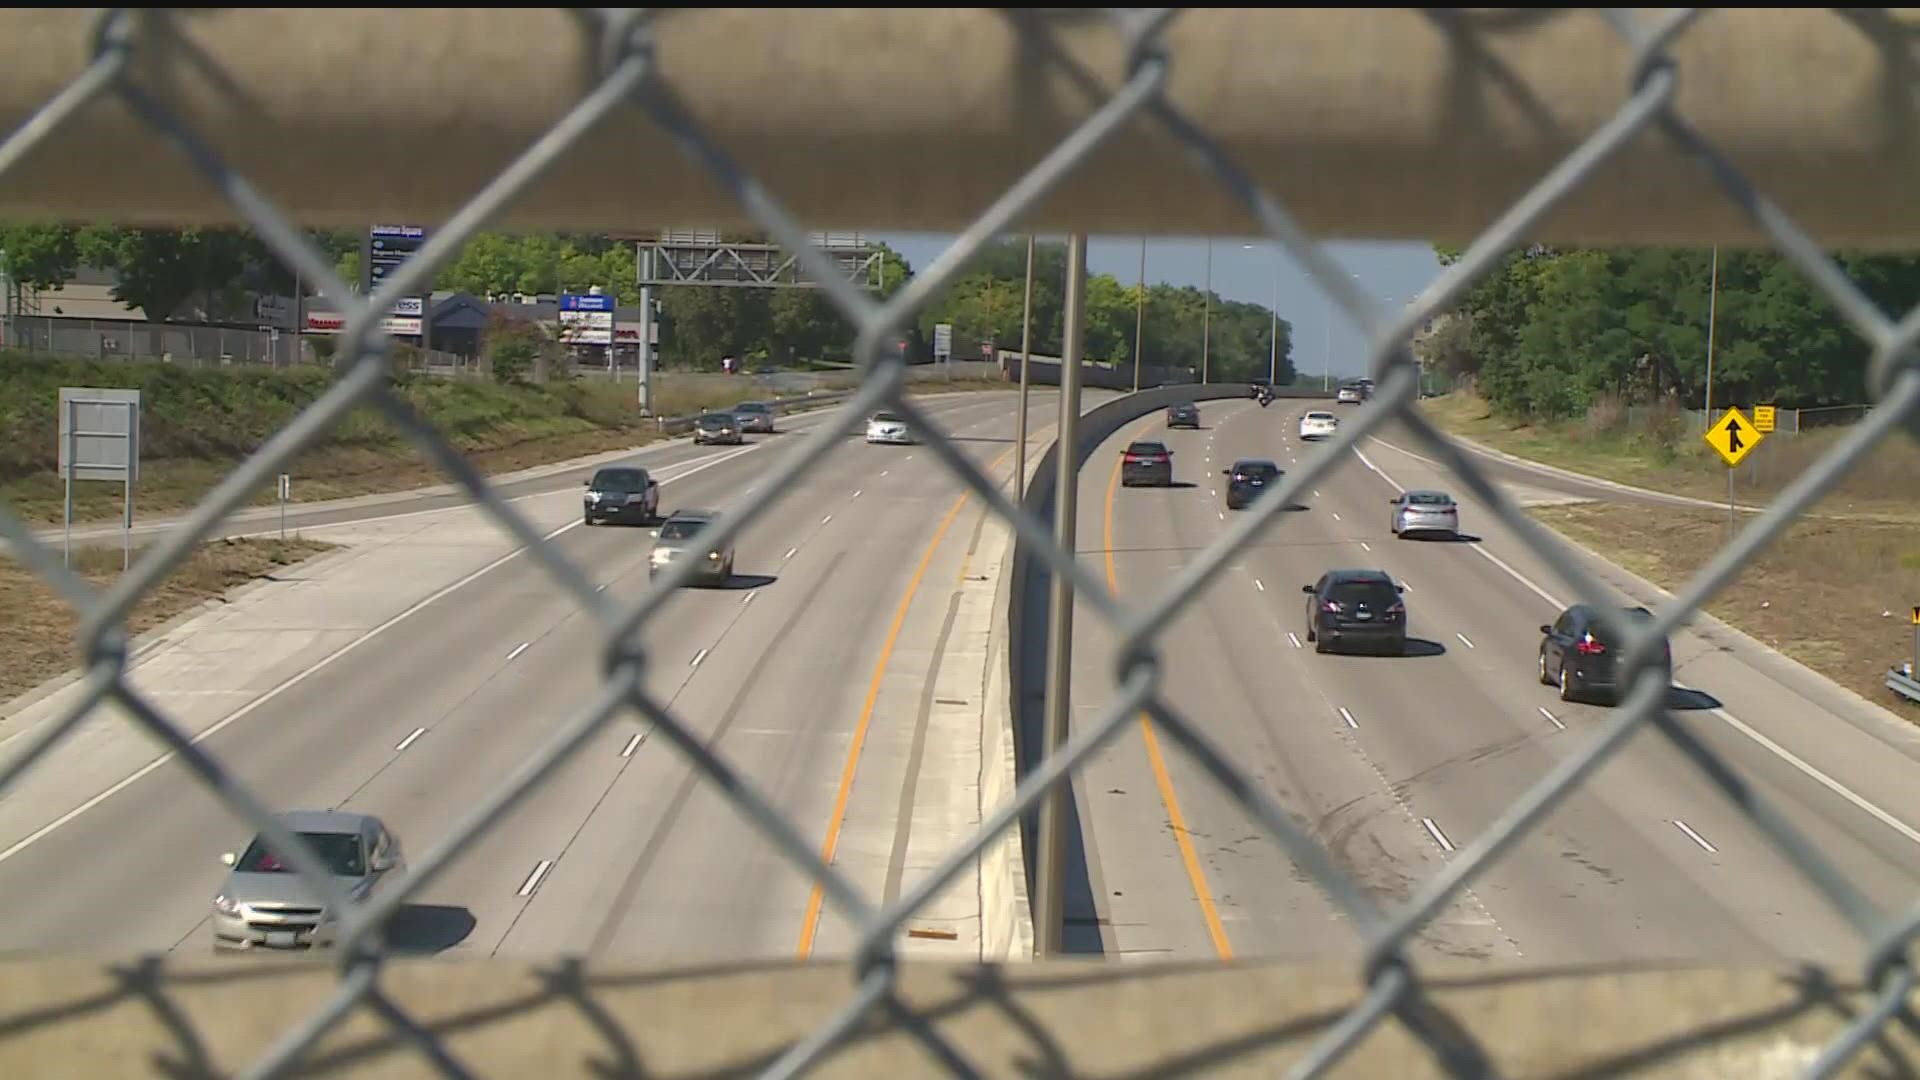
[1581,657]
[1149,463]
[1183,414]
[1247,479]
[1356,607]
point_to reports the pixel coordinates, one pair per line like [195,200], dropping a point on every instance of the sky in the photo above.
[1254,271]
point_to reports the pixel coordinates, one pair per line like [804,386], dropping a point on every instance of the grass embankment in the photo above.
[196,425]
[1832,593]
[37,636]
[1658,451]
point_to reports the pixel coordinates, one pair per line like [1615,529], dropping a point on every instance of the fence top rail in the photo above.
[1442,119]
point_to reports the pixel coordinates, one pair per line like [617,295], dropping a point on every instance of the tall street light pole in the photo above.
[1050,859]
[1139,314]
[1026,347]
[1206,318]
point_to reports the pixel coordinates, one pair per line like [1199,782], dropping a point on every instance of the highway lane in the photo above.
[1399,761]
[542,480]
[455,697]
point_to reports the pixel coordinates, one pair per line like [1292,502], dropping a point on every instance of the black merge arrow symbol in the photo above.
[1733,436]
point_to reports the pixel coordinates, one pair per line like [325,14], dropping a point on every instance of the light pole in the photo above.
[1713,297]
[1206,318]
[1139,314]
[1050,859]
[1026,347]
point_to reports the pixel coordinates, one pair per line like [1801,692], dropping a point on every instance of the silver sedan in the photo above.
[1425,512]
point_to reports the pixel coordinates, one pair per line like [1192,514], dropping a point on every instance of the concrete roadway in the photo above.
[1394,763]
[830,624]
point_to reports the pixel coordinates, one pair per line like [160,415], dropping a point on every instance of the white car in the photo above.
[1350,395]
[1318,425]
[885,427]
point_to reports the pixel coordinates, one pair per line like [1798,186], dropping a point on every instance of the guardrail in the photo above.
[1903,684]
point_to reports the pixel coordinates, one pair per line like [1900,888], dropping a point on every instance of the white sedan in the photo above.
[1318,425]
[885,427]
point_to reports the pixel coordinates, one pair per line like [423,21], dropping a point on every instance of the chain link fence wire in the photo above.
[628,87]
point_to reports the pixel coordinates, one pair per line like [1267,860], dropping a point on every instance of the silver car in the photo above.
[266,904]
[679,537]
[890,428]
[1425,512]
[754,416]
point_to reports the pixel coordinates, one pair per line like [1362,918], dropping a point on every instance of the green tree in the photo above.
[39,256]
[160,270]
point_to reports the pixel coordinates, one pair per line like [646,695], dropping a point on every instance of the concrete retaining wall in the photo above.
[1030,582]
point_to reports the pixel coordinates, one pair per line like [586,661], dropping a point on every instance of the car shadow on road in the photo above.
[740,582]
[1688,699]
[428,928]
[1443,538]
[1179,485]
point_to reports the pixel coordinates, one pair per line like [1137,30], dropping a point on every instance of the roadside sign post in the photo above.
[1914,671]
[1733,437]
[99,440]
[943,346]
[286,493]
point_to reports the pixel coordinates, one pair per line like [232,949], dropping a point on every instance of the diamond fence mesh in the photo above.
[629,86]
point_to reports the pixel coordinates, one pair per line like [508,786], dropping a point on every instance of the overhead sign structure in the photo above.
[586,319]
[1733,437]
[99,440]
[1763,419]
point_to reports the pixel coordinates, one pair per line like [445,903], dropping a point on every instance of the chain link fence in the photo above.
[633,83]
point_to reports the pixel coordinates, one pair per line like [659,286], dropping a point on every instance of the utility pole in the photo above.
[1026,348]
[1049,892]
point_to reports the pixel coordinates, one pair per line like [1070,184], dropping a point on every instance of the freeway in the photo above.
[1395,764]
[822,641]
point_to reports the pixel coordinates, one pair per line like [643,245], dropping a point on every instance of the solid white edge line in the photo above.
[1295,640]
[1464,640]
[1348,717]
[697,657]
[517,650]
[533,879]
[1836,787]
[632,745]
[1551,719]
[1695,837]
[301,676]
[408,741]
[1433,830]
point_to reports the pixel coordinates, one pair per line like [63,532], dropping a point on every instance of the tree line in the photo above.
[203,274]
[1548,332]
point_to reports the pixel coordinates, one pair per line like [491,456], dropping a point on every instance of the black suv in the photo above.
[1578,655]
[1247,479]
[621,494]
[1183,414]
[1362,607]
[1146,463]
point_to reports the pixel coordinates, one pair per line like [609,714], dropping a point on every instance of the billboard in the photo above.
[388,247]
[586,319]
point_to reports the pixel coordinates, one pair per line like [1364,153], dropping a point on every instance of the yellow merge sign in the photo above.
[1763,418]
[1733,437]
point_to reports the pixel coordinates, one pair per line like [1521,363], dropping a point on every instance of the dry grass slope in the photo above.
[37,636]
